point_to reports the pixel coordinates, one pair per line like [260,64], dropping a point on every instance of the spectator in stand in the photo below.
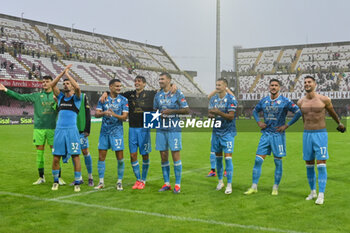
[33,67]
[12,66]
[2,49]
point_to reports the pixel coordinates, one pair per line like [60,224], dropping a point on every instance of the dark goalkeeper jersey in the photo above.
[138,104]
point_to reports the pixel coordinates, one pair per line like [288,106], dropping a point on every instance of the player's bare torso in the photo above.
[314,111]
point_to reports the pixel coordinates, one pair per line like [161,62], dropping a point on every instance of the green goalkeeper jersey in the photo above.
[84,116]
[44,113]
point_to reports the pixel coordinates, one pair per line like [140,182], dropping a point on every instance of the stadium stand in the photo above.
[21,32]
[96,58]
[328,63]
[17,72]
[30,50]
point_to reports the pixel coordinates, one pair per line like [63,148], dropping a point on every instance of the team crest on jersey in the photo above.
[225,100]
[118,100]
[41,96]
[278,101]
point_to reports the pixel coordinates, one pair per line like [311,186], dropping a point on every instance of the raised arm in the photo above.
[75,85]
[23,97]
[211,94]
[54,82]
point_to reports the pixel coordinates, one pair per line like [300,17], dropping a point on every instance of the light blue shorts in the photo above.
[272,142]
[315,145]
[140,138]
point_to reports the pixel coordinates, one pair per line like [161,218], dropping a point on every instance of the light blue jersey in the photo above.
[66,139]
[166,100]
[227,104]
[275,112]
[112,125]
[68,108]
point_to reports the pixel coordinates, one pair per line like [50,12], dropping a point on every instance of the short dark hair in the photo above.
[113,81]
[165,74]
[141,78]
[223,80]
[66,79]
[275,80]
[47,77]
[309,76]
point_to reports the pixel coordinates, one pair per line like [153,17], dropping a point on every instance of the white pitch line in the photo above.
[109,188]
[153,214]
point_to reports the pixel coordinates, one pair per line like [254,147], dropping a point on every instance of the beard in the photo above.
[309,90]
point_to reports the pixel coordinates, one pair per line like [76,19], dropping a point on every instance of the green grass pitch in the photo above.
[198,208]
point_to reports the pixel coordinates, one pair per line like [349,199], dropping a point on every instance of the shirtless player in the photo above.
[315,139]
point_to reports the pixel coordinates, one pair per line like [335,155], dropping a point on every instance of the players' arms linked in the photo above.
[329,107]
[75,85]
[54,82]
[215,91]
[104,96]
[173,88]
